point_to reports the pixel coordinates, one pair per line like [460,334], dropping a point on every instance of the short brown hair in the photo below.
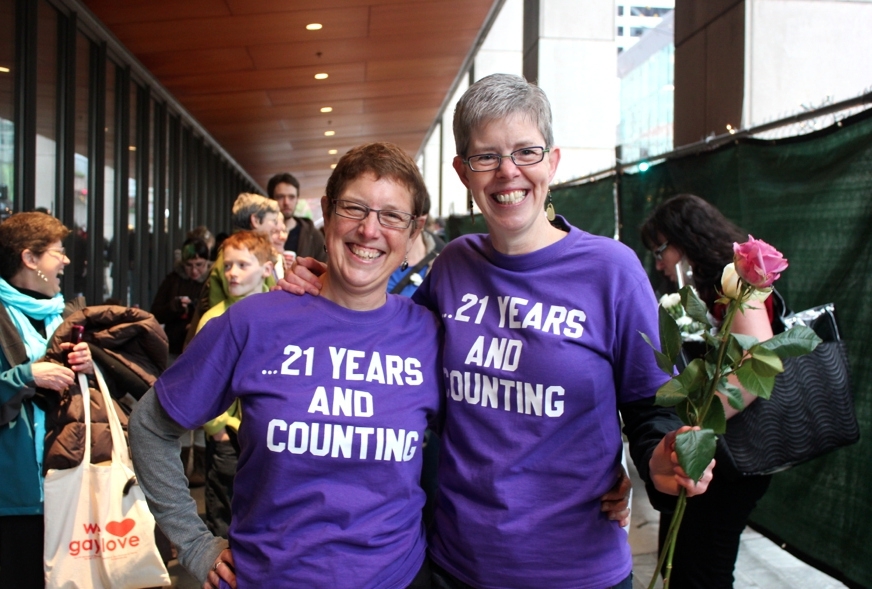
[383,160]
[27,231]
[256,242]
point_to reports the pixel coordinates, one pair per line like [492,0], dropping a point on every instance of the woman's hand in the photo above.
[222,569]
[48,375]
[666,473]
[616,502]
[303,277]
[79,357]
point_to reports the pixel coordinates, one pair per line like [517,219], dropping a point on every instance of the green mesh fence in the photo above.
[811,197]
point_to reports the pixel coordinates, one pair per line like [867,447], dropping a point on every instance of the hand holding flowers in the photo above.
[747,281]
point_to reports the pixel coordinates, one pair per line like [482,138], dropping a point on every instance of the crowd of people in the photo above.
[379,408]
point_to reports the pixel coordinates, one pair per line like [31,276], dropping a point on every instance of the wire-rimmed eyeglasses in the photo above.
[61,251]
[658,251]
[386,218]
[526,156]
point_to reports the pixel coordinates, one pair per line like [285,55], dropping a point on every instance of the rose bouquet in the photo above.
[728,357]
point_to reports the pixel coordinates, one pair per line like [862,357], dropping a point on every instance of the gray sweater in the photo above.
[154,445]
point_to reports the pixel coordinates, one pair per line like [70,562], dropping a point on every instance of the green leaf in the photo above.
[732,393]
[663,361]
[670,336]
[693,376]
[755,383]
[765,362]
[794,342]
[686,412]
[695,450]
[693,306]
[745,341]
[715,418]
[671,393]
[735,351]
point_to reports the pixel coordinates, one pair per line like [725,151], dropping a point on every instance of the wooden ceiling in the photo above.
[245,69]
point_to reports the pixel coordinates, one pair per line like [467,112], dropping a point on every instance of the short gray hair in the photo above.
[495,97]
[248,204]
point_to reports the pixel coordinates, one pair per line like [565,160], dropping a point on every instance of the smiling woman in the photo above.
[32,262]
[335,391]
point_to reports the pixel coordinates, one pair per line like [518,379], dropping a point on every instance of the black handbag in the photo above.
[810,411]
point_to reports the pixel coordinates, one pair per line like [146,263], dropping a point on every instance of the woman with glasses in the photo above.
[685,230]
[32,262]
[542,351]
[336,391]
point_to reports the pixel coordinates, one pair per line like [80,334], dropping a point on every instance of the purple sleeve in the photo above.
[637,375]
[197,387]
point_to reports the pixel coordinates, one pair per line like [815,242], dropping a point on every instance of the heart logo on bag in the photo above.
[120,528]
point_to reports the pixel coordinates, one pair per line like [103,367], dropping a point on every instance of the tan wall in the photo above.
[709,67]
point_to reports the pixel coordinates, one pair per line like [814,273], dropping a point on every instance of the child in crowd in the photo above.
[248,262]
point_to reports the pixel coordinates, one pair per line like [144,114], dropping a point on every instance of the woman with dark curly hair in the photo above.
[32,261]
[685,230]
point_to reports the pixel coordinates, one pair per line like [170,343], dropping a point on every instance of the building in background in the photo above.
[647,73]
[634,19]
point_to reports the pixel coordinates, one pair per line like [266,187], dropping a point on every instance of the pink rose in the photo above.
[758,263]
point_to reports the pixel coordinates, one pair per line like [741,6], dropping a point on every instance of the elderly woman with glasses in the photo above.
[32,262]
[542,350]
[335,396]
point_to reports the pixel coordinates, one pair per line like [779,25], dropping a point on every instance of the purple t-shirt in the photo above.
[540,350]
[334,407]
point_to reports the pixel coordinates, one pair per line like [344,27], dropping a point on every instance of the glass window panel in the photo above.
[131,188]
[109,181]
[7,104]
[46,106]
[80,181]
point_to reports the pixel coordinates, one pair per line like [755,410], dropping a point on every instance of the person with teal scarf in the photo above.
[32,261]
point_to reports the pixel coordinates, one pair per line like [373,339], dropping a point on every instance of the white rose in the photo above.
[731,286]
[669,301]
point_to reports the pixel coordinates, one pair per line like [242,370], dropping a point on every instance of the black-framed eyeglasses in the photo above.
[386,217]
[658,251]
[526,156]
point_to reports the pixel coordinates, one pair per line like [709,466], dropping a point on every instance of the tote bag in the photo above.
[99,533]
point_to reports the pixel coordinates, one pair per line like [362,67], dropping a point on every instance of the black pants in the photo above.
[21,547]
[221,459]
[708,541]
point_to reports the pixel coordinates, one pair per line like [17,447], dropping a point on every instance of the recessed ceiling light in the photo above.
[329,133]
[132,148]
[4,70]
[320,76]
[326,109]
[315,26]
[332,152]
[332,166]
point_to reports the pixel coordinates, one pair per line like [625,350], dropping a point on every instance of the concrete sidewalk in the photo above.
[761,564]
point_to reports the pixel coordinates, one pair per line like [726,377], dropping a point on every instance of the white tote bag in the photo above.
[99,533]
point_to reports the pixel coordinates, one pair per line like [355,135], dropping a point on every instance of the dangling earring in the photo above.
[549,208]
[325,248]
[405,265]
[41,275]
[469,206]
